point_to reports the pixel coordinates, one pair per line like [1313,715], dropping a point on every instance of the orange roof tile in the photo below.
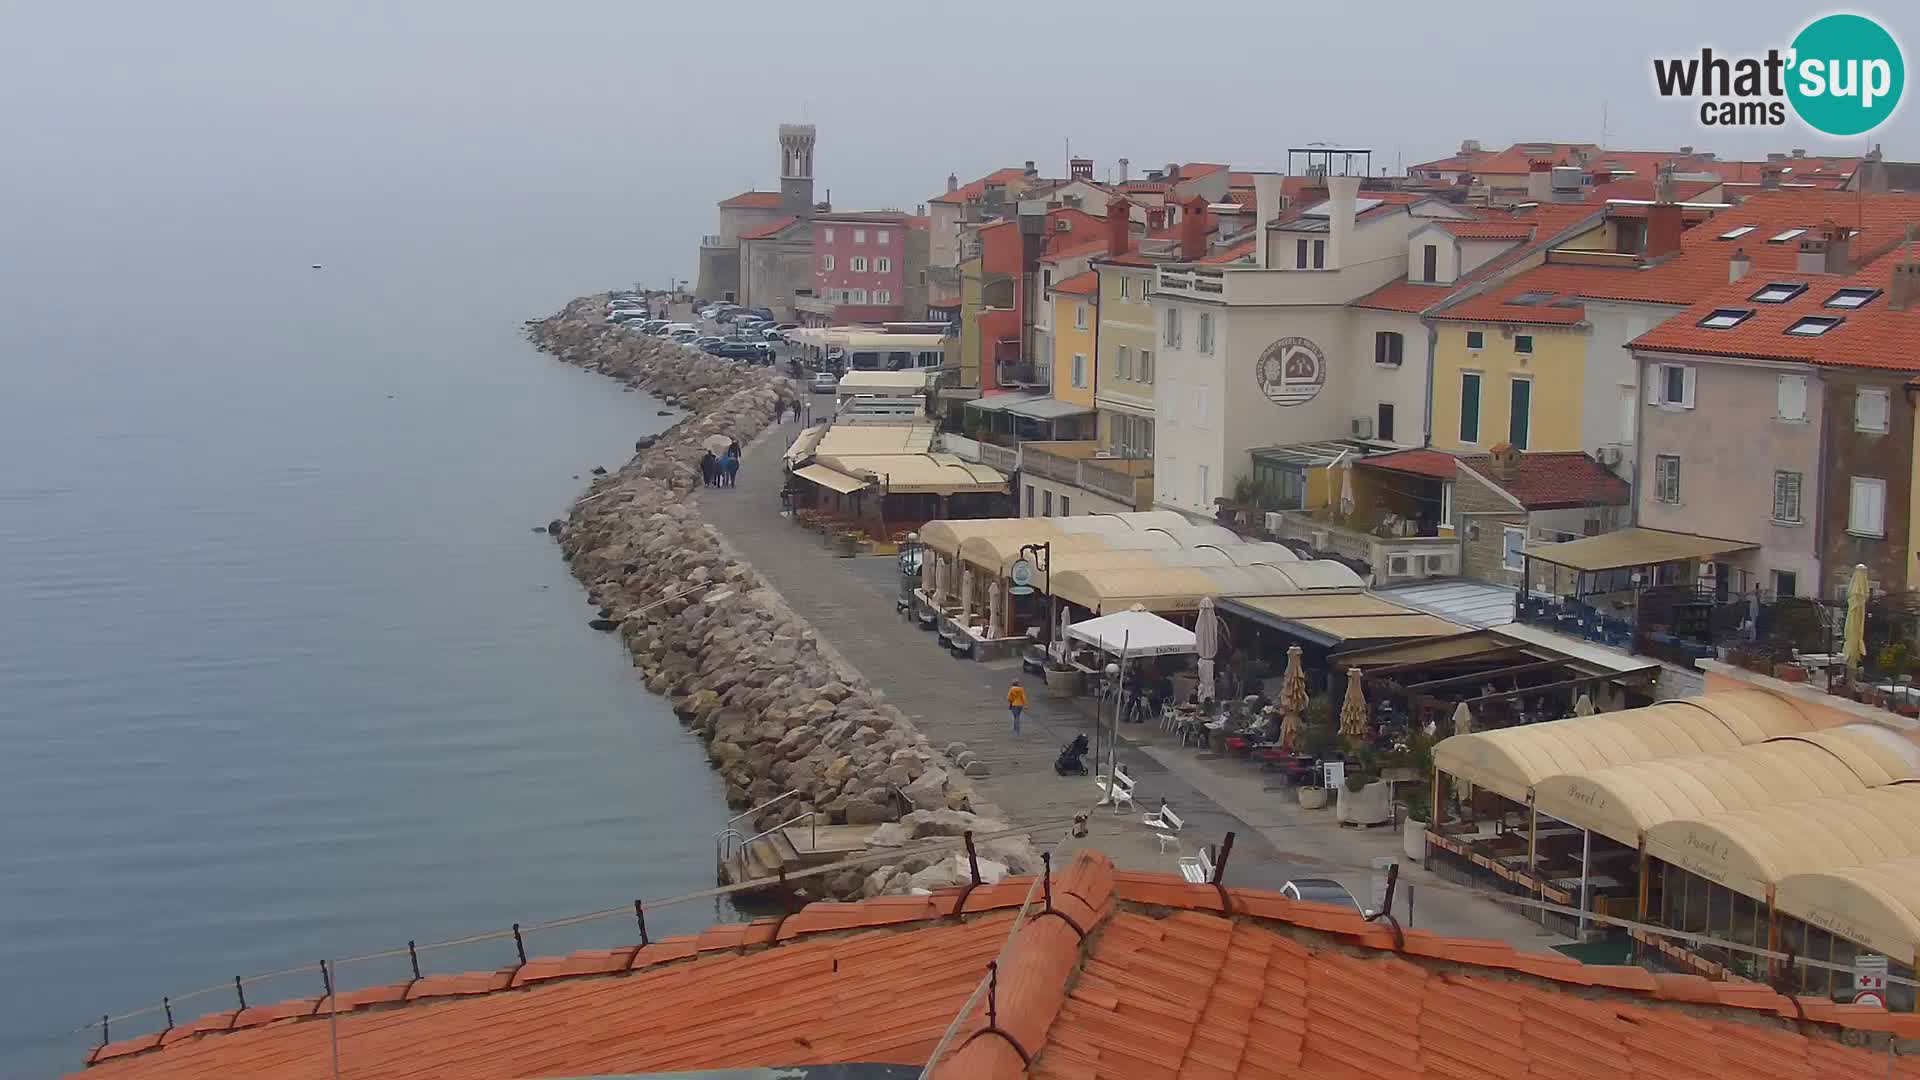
[1535,226]
[1555,480]
[755,200]
[1872,335]
[968,192]
[1128,975]
[771,228]
[1082,284]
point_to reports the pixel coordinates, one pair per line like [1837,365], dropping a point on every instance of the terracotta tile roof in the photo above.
[1128,975]
[1239,180]
[1406,296]
[1531,298]
[1539,226]
[1872,335]
[1502,228]
[1082,284]
[1145,187]
[772,228]
[1437,464]
[967,192]
[1081,250]
[1555,480]
[1700,267]
[1131,258]
[1193,170]
[755,200]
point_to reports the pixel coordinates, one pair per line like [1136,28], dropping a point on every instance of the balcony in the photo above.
[1004,458]
[1128,481]
[711,240]
[1023,373]
[1389,560]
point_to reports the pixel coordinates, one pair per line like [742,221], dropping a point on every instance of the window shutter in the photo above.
[1793,397]
[1686,393]
[1656,378]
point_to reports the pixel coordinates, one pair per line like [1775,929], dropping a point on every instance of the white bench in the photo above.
[1118,791]
[1166,825]
[1198,869]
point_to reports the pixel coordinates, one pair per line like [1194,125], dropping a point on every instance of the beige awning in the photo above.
[1877,906]
[848,440]
[919,474]
[904,383]
[1752,850]
[1340,617]
[804,443]
[945,537]
[830,478]
[1509,761]
[1634,547]
[1177,588]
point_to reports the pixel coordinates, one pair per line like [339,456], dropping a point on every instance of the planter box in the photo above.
[1313,798]
[1371,805]
[1413,840]
[1063,682]
[1790,673]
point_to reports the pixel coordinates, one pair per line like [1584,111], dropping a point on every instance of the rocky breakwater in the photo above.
[776,710]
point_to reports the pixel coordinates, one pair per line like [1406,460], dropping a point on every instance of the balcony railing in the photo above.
[1126,481]
[1040,462]
[1020,373]
[710,240]
[1004,458]
[1122,487]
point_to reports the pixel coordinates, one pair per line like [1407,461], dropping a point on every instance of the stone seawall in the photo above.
[774,707]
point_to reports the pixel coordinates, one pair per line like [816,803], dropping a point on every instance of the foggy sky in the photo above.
[654,111]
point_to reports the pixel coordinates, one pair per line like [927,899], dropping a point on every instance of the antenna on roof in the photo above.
[1604,133]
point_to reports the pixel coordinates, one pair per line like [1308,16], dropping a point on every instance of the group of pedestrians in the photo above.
[721,471]
[801,411]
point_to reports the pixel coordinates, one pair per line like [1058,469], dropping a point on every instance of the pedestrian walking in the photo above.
[1016,703]
[729,466]
[709,466]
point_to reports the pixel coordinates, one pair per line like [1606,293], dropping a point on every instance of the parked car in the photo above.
[1320,890]
[705,340]
[825,382]
[654,326]
[682,333]
[772,335]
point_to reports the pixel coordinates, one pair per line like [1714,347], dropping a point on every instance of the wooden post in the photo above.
[1533,834]
[1434,820]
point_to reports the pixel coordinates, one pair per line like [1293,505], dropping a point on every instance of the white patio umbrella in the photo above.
[716,443]
[966,593]
[1582,707]
[928,560]
[1463,725]
[1206,642]
[1346,491]
[995,607]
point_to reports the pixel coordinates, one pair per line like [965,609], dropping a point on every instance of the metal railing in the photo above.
[1005,459]
[1116,485]
[721,850]
[812,816]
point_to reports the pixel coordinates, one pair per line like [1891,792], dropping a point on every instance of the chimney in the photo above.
[1799,153]
[1738,266]
[1080,169]
[1686,151]
[1469,146]
[1156,218]
[1813,253]
[1837,244]
[1341,191]
[953,183]
[1776,157]
[920,210]
[1030,170]
[1903,292]
[1539,181]
[1769,178]
[1266,206]
[1123,170]
[1173,171]
[1664,220]
[1119,217]
[1193,230]
[1503,461]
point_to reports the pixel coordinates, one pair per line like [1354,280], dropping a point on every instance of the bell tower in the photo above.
[796,169]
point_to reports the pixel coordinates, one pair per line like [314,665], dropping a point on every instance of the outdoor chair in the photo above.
[1198,869]
[1166,825]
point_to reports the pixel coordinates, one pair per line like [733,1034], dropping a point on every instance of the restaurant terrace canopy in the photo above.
[1139,633]
[1633,547]
[1337,618]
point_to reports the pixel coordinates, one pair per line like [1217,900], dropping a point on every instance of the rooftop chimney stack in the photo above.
[1539,181]
[1812,258]
[953,183]
[1031,170]
[1769,177]
[1738,266]
[1123,170]
[1341,192]
[1903,293]
[1665,222]
[1119,220]
[1193,230]
[1266,206]
[1080,169]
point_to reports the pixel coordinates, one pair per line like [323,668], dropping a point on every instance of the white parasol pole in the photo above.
[1119,695]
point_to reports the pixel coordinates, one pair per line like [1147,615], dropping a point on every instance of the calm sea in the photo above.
[284,672]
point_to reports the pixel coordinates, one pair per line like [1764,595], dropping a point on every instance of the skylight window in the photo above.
[1735,234]
[1726,318]
[1782,238]
[1530,298]
[1813,325]
[1852,298]
[1778,292]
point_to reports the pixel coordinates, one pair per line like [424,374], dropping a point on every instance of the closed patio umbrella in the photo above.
[966,593]
[995,607]
[1583,707]
[1854,645]
[1463,725]
[1293,696]
[1346,491]
[1206,643]
[1353,710]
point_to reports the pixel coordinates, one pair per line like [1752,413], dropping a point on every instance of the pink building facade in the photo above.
[860,264]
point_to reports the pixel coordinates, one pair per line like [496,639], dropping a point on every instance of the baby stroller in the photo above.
[1070,755]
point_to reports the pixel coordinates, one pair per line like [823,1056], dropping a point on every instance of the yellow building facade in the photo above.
[1508,383]
[1076,334]
[1123,385]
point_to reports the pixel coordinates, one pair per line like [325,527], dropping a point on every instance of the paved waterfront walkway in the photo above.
[850,602]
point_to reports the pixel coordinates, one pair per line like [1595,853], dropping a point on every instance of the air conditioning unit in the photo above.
[1318,538]
[1436,565]
[1399,566]
[1062,225]
[1609,455]
[1363,427]
[1273,523]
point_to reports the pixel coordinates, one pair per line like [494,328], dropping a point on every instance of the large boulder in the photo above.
[950,823]
[863,811]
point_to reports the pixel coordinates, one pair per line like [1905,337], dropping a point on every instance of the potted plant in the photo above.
[1363,800]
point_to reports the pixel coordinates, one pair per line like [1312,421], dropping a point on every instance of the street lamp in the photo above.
[1023,569]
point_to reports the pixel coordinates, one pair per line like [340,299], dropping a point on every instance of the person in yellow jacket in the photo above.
[1016,703]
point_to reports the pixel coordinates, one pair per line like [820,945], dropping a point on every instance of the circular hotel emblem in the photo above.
[1291,371]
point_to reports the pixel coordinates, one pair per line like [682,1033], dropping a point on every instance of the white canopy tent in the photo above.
[1138,631]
